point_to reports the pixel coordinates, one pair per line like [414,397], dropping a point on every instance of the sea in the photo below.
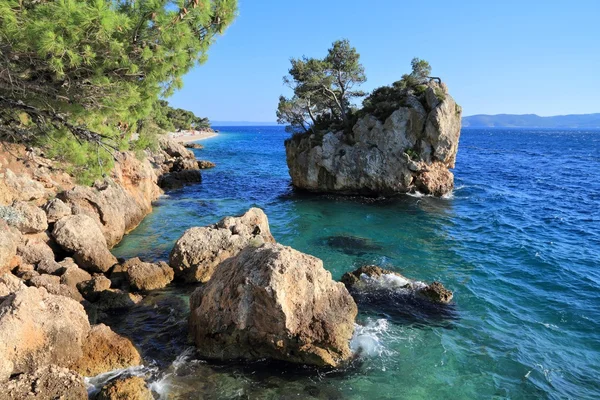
[517,241]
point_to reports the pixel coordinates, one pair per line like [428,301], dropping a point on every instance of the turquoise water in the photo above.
[518,242]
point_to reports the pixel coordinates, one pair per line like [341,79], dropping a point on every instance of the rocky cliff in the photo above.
[410,150]
[57,275]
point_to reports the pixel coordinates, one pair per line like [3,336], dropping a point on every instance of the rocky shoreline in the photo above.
[255,298]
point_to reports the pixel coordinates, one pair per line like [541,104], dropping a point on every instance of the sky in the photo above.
[514,57]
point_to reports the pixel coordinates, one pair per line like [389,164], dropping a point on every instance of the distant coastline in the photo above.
[192,136]
[572,121]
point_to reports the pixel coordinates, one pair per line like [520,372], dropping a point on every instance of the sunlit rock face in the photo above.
[412,150]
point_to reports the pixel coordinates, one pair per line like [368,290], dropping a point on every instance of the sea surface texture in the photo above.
[518,242]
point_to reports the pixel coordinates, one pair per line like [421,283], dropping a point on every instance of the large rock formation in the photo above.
[411,150]
[199,250]
[273,302]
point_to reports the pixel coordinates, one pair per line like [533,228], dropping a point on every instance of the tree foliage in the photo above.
[383,101]
[323,89]
[95,68]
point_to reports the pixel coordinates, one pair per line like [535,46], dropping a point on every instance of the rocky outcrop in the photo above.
[144,276]
[131,388]
[178,165]
[80,235]
[412,149]
[372,277]
[45,383]
[103,350]
[273,302]
[198,252]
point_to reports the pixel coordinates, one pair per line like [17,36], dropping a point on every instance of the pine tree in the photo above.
[92,69]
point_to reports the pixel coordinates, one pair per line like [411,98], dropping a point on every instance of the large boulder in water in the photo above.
[144,276]
[273,302]
[81,235]
[411,149]
[198,252]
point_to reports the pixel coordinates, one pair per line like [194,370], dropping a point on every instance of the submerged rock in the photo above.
[372,276]
[198,252]
[410,150]
[144,276]
[80,235]
[131,388]
[45,383]
[395,296]
[273,302]
[352,245]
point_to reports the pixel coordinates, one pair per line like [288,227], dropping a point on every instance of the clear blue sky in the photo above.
[517,57]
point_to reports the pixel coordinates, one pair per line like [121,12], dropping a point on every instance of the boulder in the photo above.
[52,284]
[73,275]
[131,388]
[80,235]
[24,216]
[8,247]
[197,146]
[411,149]
[37,329]
[372,277]
[56,209]
[198,252]
[103,350]
[92,288]
[273,302]
[34,250]
[147,276]
[9,284]
[50,267]
[203,164]
[113,300]
[176,180]
[45,383]
[22,187]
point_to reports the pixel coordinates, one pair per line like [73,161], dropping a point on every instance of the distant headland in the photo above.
[577,121]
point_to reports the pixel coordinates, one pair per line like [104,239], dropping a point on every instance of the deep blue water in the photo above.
[518,242]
